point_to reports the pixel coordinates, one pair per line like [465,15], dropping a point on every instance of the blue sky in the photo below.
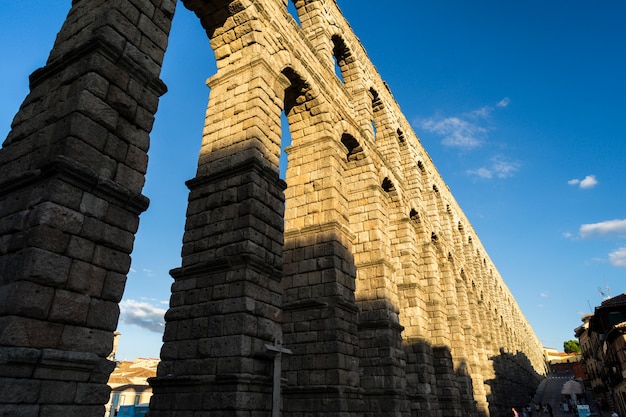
[521,106]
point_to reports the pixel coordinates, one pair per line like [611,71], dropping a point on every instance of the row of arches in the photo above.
[356,175]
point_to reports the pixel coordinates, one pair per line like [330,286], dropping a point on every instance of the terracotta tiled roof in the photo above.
[133,373]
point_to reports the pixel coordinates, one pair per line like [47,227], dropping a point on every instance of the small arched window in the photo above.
[377,107]
[355,151]
[341,55]
[291,9]
[401,138]
[388,185]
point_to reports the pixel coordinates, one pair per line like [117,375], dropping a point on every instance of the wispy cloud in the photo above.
[589,181]
[608,227]
[504,102]
[467,131]
[142,314]
[543,294]
[456,132]
[498,168]
[618,257]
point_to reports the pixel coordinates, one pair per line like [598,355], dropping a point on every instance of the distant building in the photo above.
[602,338]
[554,358]
[129,385]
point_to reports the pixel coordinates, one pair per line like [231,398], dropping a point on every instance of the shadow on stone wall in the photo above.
[514,385]
[350,355]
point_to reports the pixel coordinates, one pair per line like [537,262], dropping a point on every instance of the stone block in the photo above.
[36,305]
[96,109]
[121,217]
[20,410]
[41,266]
[103,314]
[82,339]
[18,391]
[72,410]
[57,392]
[92,394]
[111,259]
[113,287]
[69,307]
[56,216]
[86,278]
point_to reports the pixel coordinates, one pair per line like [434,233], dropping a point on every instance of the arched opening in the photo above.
[341,54]
[355,151]
[157,242]
[285,141]
[293,11]
[401,138]
[388,185]
[377,108]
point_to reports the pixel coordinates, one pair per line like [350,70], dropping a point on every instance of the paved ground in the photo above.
[549,391]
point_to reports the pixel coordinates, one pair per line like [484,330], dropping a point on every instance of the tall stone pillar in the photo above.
[225,307]
[373,211]
[71,175]
[320,313]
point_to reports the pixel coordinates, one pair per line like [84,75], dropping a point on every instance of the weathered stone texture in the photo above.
[361,264]
[72,169]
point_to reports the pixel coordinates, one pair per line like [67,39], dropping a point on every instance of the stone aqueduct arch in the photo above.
[369,273]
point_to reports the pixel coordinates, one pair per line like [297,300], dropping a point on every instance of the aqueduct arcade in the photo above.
[360,266]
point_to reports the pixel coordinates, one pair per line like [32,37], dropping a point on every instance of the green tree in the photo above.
[571,346]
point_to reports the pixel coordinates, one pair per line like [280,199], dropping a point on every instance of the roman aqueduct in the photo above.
[357,283]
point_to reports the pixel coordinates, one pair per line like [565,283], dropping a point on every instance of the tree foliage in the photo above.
[571,346]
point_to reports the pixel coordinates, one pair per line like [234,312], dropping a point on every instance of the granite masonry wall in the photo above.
[360,269]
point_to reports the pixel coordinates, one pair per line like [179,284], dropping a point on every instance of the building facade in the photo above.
[602,339]
[129,384]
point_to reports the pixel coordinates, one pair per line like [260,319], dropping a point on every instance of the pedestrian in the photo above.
[538,408]
[529,410]
[614,414]
[515,413]
[550,410]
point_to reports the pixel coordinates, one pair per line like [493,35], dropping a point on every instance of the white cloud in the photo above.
[504,102]
[618,257]
[465,131]
[603,228]
[543,294]
[499,168]
[456,132]
[589,181]
[143,315]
